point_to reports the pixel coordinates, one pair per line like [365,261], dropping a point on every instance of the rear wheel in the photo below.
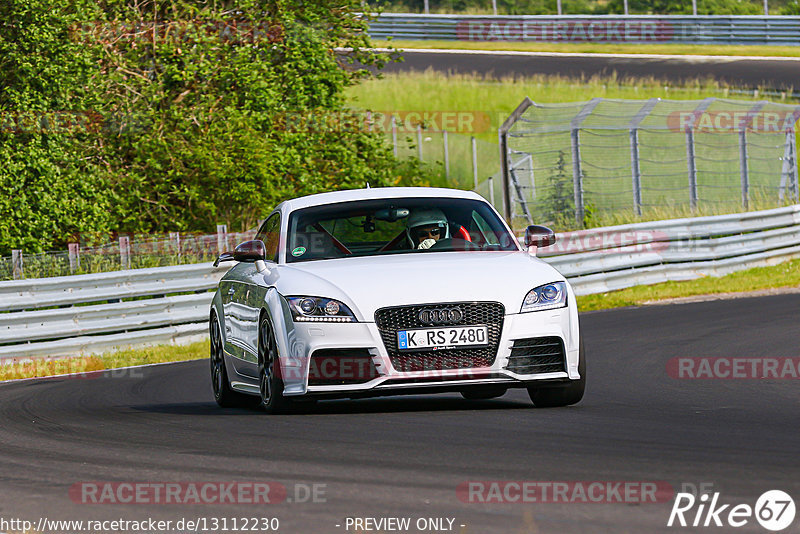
[269,370]
[223,394]
[571,393]
[483,393]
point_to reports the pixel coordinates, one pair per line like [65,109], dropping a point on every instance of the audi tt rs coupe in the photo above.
[390,291]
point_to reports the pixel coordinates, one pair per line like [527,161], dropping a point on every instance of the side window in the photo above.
[269,233]
[481,231]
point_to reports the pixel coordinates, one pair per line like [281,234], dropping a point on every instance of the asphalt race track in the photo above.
[739,72]
[406,456]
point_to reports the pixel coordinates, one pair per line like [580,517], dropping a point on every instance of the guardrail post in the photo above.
[74,253]
[446,155]
[475,161]
[222,238]
[124,252]
[743,170]
[17,266]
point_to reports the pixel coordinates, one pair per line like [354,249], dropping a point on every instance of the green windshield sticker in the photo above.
[299,251]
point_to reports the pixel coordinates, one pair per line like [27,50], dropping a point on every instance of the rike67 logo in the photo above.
[774,510]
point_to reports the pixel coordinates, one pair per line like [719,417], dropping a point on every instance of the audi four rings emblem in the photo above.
[441,315]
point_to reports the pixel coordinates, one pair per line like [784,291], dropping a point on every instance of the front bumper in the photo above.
[384,379]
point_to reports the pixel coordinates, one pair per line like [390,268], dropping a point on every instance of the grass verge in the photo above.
[777,276]
[91,365]
[600,48]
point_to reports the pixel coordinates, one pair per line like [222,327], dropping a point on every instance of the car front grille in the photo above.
[537,356]
[391,320]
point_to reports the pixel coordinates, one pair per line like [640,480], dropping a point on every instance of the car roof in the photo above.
[349,195]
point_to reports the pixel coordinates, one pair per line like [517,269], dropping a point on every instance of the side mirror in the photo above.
[539,236]
[250,251]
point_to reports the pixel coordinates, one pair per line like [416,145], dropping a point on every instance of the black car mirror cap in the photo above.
[539,236]
[250,251]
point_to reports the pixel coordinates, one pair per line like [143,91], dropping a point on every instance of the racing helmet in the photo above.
[426,217]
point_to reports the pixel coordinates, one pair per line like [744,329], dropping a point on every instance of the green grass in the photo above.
[778,276]
[109,360]
[601,48]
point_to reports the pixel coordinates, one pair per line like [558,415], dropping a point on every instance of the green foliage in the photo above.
[177,124]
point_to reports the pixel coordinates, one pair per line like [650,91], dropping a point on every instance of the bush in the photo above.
[178,124]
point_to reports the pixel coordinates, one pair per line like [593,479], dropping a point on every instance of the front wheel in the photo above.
[572,393]
[223,394]
[269,370]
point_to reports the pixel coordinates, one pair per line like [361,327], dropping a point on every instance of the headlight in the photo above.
[545,297]
[319,310]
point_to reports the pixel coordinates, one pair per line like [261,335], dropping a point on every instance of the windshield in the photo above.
[395,226]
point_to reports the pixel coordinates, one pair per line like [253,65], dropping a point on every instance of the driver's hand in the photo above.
[428,243]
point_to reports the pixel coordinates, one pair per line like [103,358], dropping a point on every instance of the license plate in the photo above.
[443,338]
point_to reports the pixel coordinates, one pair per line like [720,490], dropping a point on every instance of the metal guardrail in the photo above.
[83,314]
[616,257]
[740,29]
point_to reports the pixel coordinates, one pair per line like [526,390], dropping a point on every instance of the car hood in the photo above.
[366,284]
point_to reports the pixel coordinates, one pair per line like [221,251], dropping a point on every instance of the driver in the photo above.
[425,227]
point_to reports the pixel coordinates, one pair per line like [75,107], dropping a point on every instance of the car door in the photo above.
[247,290]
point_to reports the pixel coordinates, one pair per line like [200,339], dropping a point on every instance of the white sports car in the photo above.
[392,291]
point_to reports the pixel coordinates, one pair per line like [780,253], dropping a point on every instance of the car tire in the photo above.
[572,393]
[269,371]
[223,394]
[483,393]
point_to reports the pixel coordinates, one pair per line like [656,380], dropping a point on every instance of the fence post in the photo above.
[743,171]
[124,252]
[577,175]
[394,135]
[419,141]
[577,172]
[502,134]
[794,166]
[692,167]
[74,254]
[490,181]
[691,162]
[446,156]
[636,175]
[222,238]
[475,161]
[175,239]
[17,266]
